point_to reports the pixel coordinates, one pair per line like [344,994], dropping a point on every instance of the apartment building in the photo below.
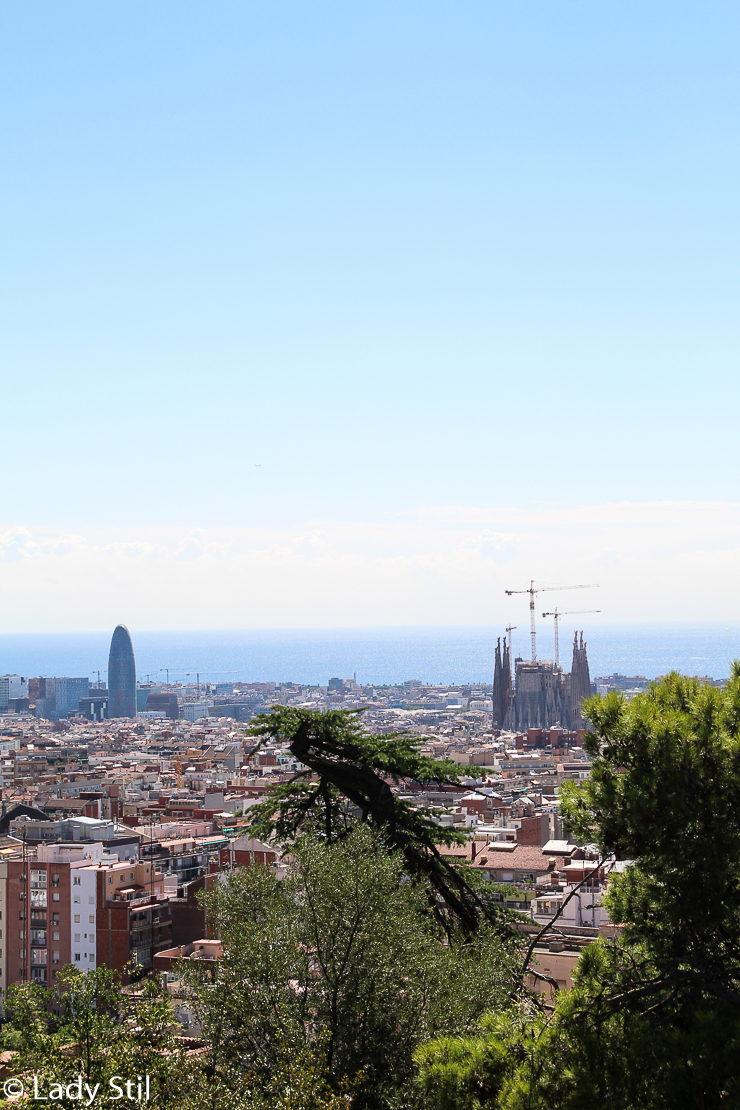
[49,914]
[134,918]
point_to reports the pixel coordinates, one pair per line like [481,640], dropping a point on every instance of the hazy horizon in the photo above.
[387,655]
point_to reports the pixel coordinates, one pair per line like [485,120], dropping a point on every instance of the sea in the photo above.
[376,656]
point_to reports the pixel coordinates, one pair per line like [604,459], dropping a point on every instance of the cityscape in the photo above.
[334,338]
[137,793]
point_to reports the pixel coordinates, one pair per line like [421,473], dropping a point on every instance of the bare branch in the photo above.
[563,904]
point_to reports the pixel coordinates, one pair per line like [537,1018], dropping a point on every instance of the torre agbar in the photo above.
[121,675]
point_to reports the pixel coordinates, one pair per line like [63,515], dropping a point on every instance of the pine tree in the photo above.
[654,1019]
[348,778]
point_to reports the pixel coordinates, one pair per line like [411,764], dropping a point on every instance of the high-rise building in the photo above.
[121,675]
[143,689]
[59,697]
[95,708]
[69,694]
[13,687]
[164,702]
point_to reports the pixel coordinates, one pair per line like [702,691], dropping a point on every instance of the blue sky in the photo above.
[270,264]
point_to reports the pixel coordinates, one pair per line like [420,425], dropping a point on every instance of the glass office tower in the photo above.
[121,675]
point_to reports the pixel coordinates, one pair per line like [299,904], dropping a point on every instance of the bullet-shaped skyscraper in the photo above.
[121,675]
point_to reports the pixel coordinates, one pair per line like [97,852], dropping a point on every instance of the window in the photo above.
[55,919]
[22,915]
[77,957]
[91,900]
[77,919]
[77,938]
[55,880]
[55,897]
[122,877]
[55,936]
[21,934]
[110,879]
[92,918]
[56,956]
[77,899]
[77,881]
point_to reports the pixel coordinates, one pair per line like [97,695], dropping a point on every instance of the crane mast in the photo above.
[557,616]
[539,590]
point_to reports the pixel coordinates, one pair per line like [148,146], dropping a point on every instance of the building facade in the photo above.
[121,675]
[13,688]
[49,915]
[58,697]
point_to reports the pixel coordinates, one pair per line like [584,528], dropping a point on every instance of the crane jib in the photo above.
[547,589]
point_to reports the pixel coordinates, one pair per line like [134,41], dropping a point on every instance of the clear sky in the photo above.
[363,312]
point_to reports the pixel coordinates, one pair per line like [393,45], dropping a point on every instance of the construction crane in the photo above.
[557,616]
[189,674]
[541,590]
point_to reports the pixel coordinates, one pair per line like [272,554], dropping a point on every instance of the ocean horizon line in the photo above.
[380,655]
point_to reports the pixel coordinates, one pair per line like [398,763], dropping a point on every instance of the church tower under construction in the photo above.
[501,684]
[544,695]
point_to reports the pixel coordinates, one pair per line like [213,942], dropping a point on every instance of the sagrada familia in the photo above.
[543,695]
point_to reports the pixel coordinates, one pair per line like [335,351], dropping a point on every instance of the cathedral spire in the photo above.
[580,682]
[499,679]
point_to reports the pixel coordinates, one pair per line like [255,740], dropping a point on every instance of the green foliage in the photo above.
[348,780]
[665,791]
[654,1021]
[343,959]
[354,769]
[89,1026]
